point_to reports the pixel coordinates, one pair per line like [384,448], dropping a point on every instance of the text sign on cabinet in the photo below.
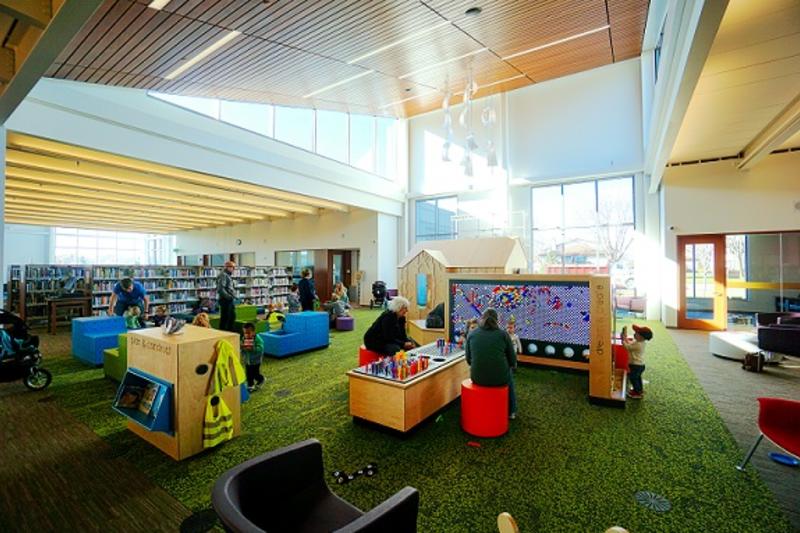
[150,345]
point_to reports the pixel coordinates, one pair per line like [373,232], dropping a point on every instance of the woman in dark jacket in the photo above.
[307,291]
[491,357]
[387,335]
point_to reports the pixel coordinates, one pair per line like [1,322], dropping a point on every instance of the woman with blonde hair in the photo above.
[387,335]
[340,294]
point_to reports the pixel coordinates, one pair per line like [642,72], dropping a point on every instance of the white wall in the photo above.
[25,245]
[374,235]
[588,124]
[130,123]
[718,198]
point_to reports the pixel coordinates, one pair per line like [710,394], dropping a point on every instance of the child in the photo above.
[205,306]
[472,324]
[252,348]
[293,299]
[511,328]
[275,317]
[160,316]
[336,308]
[132,317]
[635,349]
[201,321]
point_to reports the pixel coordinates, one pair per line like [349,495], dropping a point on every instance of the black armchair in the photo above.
[284,491]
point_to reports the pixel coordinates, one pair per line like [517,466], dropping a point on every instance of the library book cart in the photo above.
[182,366]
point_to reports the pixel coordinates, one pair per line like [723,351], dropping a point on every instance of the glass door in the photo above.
[702,282]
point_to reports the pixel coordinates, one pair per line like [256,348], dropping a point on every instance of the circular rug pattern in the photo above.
[654,502]
[283,393]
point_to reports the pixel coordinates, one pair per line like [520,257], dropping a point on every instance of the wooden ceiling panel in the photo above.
[290,49]
[512,26]
[567,58]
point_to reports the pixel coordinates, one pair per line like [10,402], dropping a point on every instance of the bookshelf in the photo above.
[42,282]
[178,288]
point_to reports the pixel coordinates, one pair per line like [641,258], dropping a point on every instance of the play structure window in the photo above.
[422,290]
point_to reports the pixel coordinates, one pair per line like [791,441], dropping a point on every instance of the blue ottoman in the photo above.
[301,332]
[92,335]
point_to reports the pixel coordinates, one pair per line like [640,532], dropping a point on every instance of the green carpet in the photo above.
[565,465]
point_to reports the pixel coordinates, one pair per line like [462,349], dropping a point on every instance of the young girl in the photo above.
[201,321]
[635,348]
[340,294]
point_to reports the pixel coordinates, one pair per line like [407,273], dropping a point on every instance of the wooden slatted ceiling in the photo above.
[289,49]
[51,183]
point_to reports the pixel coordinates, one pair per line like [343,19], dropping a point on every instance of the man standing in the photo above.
[127,293]
[226,293]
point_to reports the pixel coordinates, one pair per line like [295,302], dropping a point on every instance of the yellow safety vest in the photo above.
[275,320]
[218,423]
[228,371]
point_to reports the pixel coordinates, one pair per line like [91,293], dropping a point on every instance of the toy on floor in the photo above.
[343,477]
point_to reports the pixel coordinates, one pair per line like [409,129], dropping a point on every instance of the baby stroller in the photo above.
[19,354]
[379,295]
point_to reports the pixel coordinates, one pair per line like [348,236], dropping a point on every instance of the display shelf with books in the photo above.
[43,282]
[164,285]
[146,400]
[14,297]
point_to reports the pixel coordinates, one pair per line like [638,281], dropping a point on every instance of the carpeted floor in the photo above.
[565,465]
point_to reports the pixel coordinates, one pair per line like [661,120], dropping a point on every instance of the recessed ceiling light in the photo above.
[399,41]
[409,89]
[559,41]
[202,55]
[332,85]
[473,11]
[423,69]
[158,4]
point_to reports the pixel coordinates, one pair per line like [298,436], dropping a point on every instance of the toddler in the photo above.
[133,317]
[294,299]
[511,328]
[202,321]
[635,348]
[275,317]
[252,348]
[160,316]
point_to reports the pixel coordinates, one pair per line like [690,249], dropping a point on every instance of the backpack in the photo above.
[435,318]
[753,362]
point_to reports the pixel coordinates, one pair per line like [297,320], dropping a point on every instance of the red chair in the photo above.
[484,410]
[366,357]
[779,421]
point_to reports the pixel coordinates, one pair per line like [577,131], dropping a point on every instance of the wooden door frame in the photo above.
[720,298]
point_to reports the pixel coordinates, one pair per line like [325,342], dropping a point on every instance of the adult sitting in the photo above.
[491,357]
[387,335]
[307,291]
[128,293]
[340,294]
[226,295]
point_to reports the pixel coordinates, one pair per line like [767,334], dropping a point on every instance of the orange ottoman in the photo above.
[484,410]
[366,357]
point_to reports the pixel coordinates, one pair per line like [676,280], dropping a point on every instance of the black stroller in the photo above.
[19,354]
[379,295]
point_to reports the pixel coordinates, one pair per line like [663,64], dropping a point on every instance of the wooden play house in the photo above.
[423,273]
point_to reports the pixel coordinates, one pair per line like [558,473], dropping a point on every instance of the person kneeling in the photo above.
[387,335]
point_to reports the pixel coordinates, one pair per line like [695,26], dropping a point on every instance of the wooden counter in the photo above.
[402,406]
[423,335]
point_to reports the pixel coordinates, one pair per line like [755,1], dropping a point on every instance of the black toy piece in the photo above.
[341,477]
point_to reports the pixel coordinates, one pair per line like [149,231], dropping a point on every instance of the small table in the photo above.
[83,303]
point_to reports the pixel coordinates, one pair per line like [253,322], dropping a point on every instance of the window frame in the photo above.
[436,235]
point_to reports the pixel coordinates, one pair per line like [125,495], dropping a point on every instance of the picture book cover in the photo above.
[130,397]
[148,397]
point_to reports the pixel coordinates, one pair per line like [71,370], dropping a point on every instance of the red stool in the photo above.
[484,410]
[366,357]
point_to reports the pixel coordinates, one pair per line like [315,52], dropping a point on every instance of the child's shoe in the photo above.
[251,388]
[635,395]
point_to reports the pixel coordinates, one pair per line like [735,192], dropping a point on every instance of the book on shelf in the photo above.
[148,397]
[131,397]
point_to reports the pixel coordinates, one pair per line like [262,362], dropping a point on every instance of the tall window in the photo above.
[434,218]
[362,141]
[586,227]
[90,247]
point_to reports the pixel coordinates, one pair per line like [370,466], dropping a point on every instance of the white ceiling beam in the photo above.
[784,125]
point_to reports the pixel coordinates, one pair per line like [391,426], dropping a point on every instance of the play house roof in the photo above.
[497,252]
